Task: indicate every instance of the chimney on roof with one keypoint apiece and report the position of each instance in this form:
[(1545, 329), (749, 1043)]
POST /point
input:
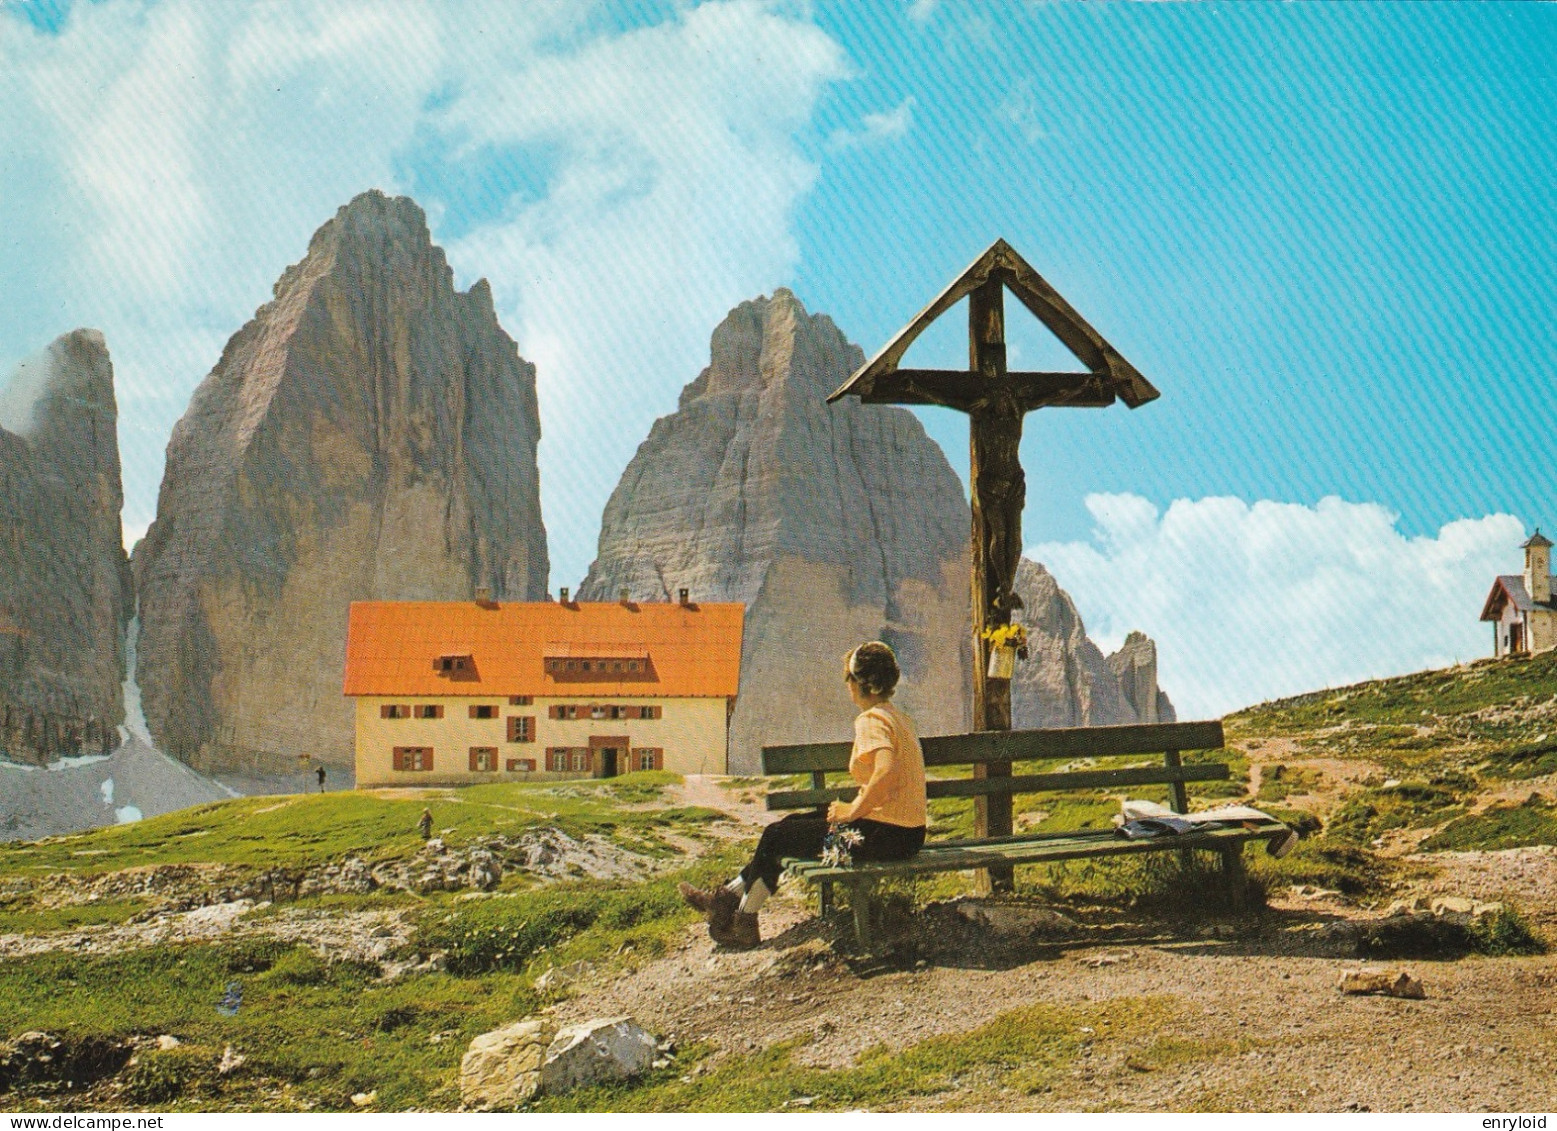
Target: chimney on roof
[(623, 596), (684, 596), (1538, 568), (564, 592), (483, 594)]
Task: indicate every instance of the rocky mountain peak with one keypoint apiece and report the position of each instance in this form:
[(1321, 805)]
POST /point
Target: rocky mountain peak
[(65, 589), (370, 434), (833, 524), (1067, 681)]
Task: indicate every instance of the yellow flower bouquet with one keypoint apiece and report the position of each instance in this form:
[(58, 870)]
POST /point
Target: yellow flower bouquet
[(1007, 644)]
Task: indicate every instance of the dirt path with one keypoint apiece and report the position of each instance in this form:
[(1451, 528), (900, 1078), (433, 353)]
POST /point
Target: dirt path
[(1253, 1020), (706, 791)]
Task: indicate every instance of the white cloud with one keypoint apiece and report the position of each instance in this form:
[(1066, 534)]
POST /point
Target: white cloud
[(1248, 603), (676, 174), (920, 11), (882, 126), (162, 162), (179, 155), (1019, 108)]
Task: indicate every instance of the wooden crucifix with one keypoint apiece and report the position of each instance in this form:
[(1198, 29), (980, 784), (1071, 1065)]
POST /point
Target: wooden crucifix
[(996, 400)]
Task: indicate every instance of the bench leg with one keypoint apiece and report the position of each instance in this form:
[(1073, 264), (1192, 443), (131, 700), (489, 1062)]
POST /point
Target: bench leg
[(862, 900), (827, 897), (1233, 875)]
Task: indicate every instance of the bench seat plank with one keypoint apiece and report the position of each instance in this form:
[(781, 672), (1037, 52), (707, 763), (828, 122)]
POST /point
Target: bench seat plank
[(1031, 783), (954, 856), (1012, 746)]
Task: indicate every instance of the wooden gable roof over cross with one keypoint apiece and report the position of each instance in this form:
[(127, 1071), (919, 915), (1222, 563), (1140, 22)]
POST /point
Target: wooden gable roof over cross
[(1108, 375)]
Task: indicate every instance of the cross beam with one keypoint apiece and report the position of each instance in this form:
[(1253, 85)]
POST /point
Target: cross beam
[(996, 400)]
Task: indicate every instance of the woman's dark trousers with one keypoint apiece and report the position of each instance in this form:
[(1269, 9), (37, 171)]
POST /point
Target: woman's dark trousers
[(801, 834)]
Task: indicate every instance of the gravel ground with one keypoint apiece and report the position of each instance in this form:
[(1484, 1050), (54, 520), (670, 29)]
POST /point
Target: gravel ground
[(1277, 1033)]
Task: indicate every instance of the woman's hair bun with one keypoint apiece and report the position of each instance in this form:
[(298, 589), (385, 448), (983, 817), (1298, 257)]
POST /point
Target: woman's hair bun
[(873, 665)]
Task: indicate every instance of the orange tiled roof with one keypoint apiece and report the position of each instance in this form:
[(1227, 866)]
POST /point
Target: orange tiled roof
[(392, 647)]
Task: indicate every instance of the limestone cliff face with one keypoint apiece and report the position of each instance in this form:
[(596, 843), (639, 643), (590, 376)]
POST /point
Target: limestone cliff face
[(1135, 667), (1067, 681), (65, 590), (834, 524), (370, 434)]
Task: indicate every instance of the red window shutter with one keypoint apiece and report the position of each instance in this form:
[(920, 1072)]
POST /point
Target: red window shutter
[(475, 759), (427, 757), (399, 758), (513, 728)]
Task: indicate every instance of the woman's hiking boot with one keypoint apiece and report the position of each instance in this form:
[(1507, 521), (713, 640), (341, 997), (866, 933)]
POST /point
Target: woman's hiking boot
[(722, 907), (696, 898), (739, 934)]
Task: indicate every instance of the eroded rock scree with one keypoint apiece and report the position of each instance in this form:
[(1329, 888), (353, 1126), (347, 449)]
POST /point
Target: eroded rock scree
[(370, 435)]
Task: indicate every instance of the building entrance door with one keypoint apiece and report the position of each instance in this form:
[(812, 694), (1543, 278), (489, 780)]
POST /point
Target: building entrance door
[(1516, 638), (610, 753)]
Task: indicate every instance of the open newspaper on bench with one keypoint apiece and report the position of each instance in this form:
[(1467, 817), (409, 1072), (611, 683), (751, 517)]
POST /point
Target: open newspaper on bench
[(1139, 820)]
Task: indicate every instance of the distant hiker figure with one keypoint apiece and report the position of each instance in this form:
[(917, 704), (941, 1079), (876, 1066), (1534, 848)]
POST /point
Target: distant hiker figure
[(424, 826), (320, 774)]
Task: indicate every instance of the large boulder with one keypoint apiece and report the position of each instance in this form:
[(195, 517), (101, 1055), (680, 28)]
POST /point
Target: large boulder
[(65, 590), (600, 1051), (370, 435), (502, 1069), (508, 1067)]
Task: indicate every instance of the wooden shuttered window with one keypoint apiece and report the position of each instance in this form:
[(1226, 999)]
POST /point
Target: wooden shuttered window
[(517, 765), (570, 759), (483, 759), (483, 711), (521, 728), (413, 759), (648, 758), (601, 711), (428, 711), (395, 711)]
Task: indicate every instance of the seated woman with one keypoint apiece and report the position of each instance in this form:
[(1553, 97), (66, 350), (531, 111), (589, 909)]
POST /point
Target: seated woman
[(888, 812)]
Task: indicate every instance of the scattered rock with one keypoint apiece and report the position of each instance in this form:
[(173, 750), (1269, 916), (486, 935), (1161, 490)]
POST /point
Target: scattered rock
[(502, 1069), (1396, 984), (597, 1051), (168, 1041), (231, 1061), (560, 977), (363, 1099), (1458, 909), (1007, 919)]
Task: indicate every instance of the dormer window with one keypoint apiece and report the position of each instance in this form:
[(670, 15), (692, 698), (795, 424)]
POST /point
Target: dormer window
[(455, 664), (601, 665)]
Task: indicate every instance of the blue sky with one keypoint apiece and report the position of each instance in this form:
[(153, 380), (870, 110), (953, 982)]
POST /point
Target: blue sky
[(1325, 232)]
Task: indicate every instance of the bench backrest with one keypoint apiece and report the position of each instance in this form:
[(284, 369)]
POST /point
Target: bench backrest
[(996, 750)]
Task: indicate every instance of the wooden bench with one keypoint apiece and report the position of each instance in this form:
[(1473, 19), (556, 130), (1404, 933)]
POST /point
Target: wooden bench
[(990, 753)]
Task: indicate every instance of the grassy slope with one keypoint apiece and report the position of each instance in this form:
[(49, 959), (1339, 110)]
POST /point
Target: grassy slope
[(316, 1033), (1441, 741)]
